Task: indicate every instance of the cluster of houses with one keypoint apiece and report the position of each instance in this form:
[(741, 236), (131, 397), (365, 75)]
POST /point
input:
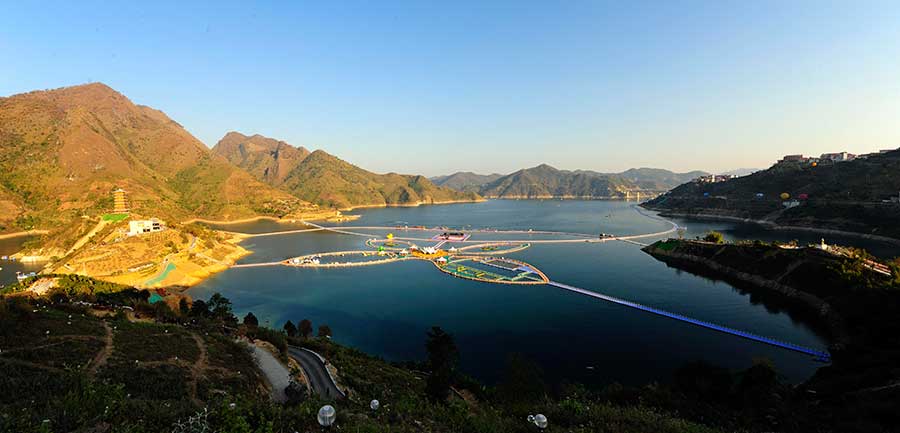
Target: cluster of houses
[(830, 158), (714, 178)]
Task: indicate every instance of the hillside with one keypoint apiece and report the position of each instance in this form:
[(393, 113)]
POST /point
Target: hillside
[(659, 179), (465, 180), (847, 196), (325, 179), (63, 151), (850, 296), (265, 158), (115, 362), (545, 181)]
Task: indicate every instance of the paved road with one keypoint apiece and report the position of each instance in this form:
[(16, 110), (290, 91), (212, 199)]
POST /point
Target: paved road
[(276, 373), (316, 372)]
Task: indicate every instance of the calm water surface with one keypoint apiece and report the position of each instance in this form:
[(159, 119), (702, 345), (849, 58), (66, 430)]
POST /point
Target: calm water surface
[(385, 310)]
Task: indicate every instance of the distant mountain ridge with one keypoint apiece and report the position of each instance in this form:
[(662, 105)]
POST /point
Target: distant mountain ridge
[(465, 180), (545, 181), (63, 151), (327, 180)]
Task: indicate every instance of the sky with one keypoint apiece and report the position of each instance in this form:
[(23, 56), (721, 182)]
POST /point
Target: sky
[(488, 86)]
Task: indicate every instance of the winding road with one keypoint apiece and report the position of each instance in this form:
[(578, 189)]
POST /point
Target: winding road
[(318, 375)]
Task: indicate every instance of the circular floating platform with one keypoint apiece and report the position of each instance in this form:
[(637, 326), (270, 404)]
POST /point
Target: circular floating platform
[(489, 269), (389, 244)]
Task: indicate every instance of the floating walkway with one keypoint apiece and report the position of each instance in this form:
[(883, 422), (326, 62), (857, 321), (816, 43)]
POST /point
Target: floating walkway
[(818, 354)]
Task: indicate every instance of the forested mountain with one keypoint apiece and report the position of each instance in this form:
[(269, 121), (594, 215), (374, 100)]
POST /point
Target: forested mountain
[(545, 181)]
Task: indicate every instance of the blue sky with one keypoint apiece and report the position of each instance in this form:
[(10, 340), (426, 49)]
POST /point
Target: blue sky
[(436, 87)]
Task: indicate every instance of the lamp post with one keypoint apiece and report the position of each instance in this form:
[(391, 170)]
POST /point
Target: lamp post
[(326, 416), (374, 405)]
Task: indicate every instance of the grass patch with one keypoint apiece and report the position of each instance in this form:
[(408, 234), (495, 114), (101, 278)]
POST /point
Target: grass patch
[(115, 217)]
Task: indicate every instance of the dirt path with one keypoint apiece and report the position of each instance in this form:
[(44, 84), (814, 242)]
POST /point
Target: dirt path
[(103, 355), (84, 239), (198, 368)]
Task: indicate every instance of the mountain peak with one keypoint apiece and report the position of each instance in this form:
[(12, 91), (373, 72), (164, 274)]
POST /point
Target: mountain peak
[(267, 159)]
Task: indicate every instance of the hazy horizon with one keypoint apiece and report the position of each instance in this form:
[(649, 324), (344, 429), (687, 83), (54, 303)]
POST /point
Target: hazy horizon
[(490, 88)]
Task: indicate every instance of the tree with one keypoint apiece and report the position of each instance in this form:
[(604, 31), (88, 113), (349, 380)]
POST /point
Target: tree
[(522, 382), (162, 312), (758, 384), (290, 329), (199, 309), (324, 331), (306, 328), (251, 320), (714, 237), (220, 307), (183, 307), (443, 358)]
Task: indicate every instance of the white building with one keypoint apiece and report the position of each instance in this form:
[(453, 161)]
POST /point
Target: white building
[(140, 227)]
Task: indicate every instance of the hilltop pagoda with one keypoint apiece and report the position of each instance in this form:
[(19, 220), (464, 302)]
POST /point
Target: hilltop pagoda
[(120, 201)]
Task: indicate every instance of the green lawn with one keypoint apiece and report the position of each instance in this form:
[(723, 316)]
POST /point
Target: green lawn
[(115, 217)]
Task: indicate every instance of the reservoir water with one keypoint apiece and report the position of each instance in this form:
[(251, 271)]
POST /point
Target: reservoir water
[(385, 310)]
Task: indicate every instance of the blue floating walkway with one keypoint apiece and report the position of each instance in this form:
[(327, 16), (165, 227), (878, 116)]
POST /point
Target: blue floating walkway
[(818, 354)]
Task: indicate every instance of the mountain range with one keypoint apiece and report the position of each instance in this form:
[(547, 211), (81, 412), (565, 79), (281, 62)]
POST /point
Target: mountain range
[(544, 181), (325, 179), (65, 150)]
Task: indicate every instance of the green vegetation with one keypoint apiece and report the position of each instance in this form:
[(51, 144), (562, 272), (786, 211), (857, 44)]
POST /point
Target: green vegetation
[(443, 359), (115, 217), (714, 237)]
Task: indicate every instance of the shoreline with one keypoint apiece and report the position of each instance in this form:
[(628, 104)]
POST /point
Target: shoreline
[(773, 226), (838, 334), (568, 197), (416, 204)]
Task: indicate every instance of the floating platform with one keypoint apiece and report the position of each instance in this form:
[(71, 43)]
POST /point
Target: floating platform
[(344, 259), (493, 248), (451, 237), (492, 270)]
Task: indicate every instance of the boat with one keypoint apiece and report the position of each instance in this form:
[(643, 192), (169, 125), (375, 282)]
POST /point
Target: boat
[(20, 276)]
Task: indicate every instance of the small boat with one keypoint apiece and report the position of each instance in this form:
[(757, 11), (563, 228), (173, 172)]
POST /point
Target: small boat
[(20, 276)]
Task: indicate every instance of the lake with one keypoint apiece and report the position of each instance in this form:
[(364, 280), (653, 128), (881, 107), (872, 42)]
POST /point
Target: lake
[(385, 310)]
